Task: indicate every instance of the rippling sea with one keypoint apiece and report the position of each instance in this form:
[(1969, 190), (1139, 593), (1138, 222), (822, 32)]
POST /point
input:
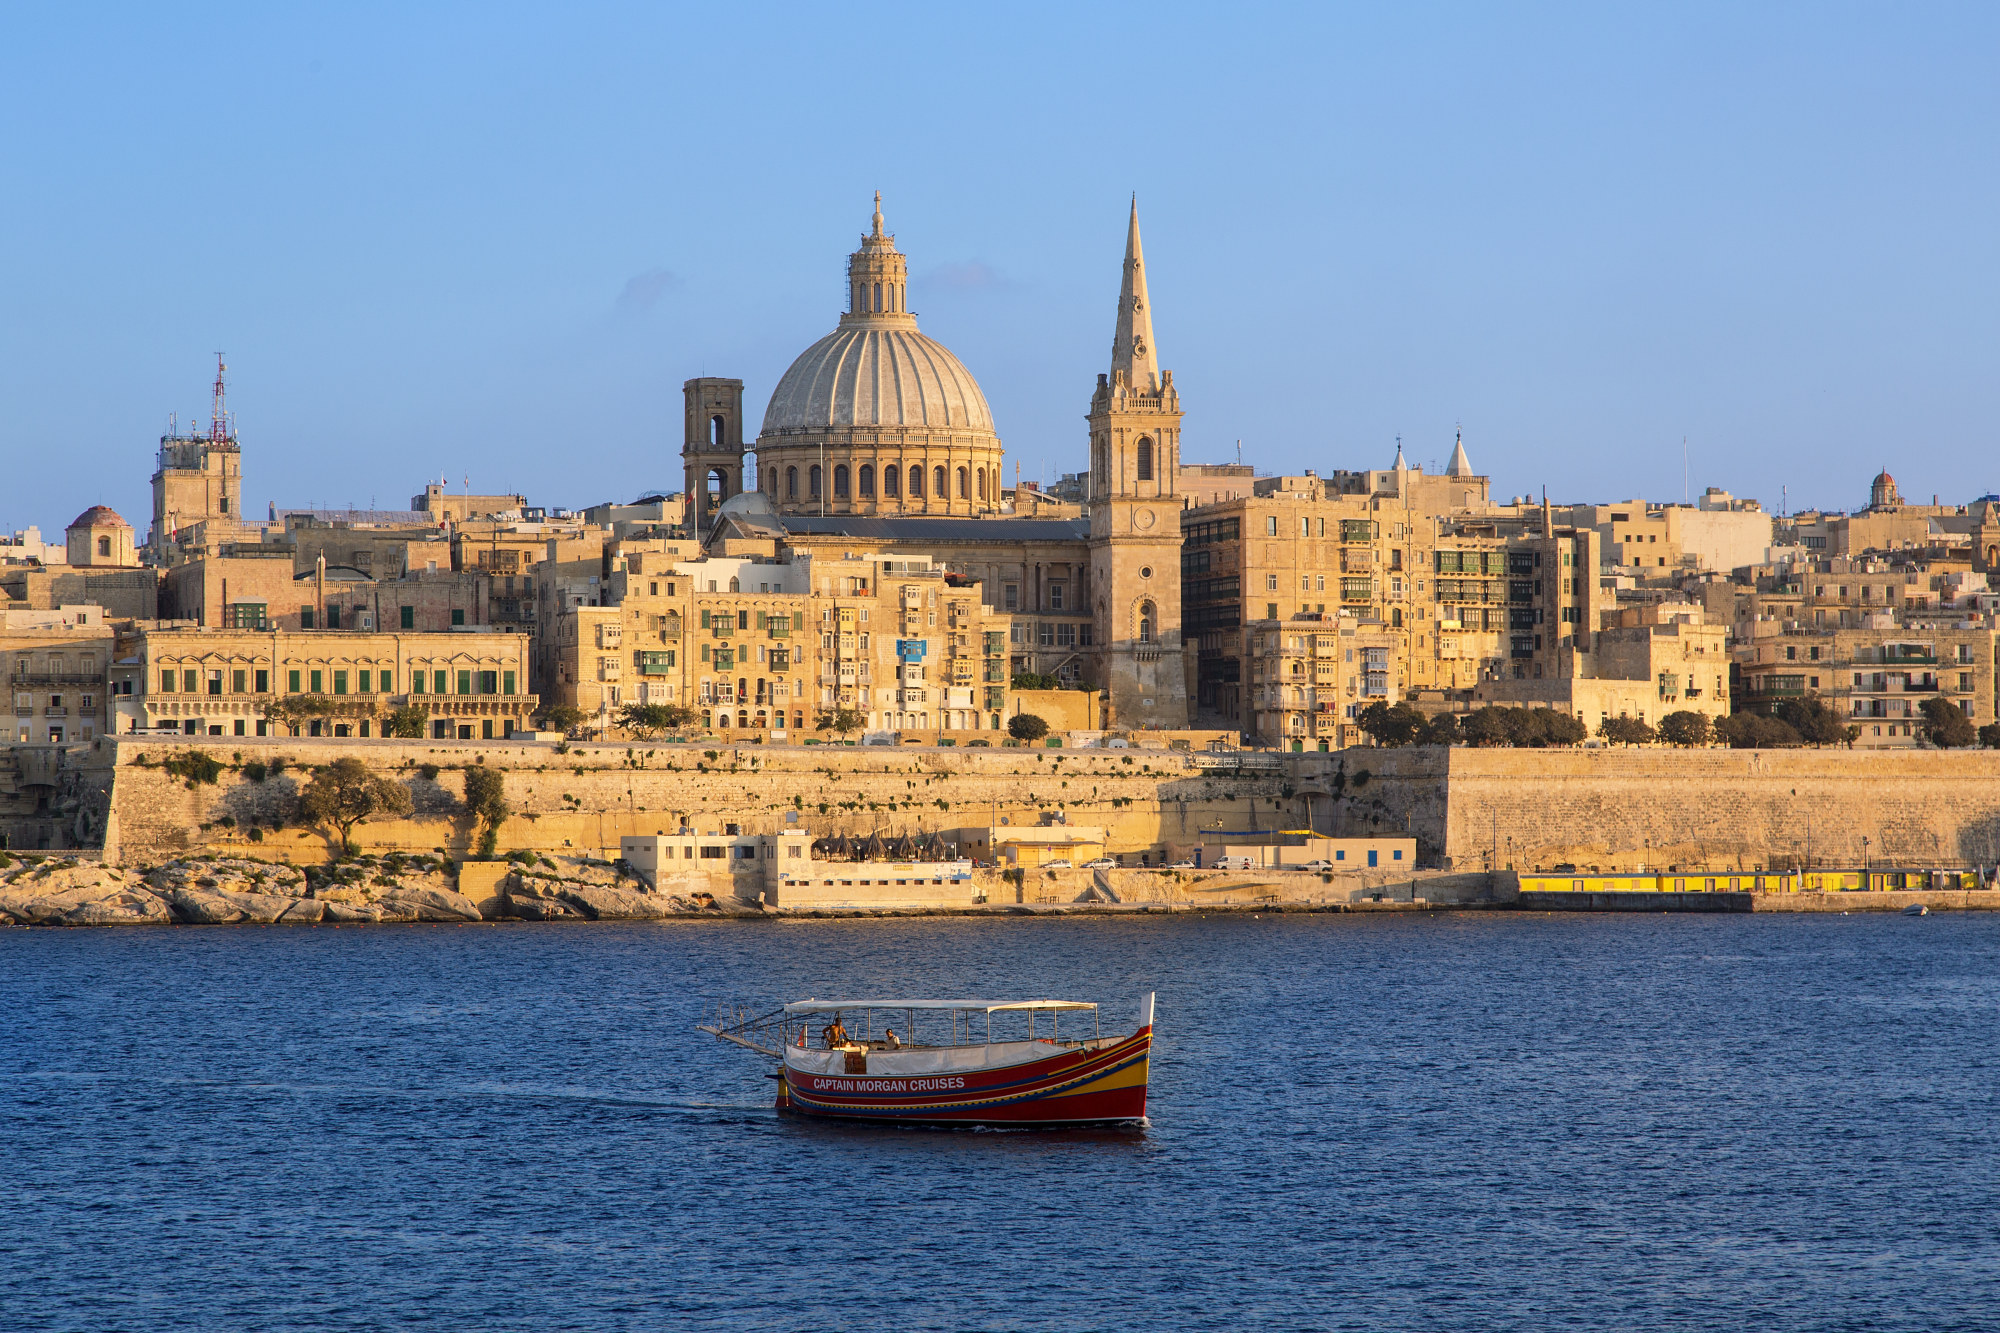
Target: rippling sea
[(1485, 1121)]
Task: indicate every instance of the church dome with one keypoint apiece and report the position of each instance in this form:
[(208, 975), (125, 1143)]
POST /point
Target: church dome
[(1882, 493), (875, 417), (867, 375), (99, 516)]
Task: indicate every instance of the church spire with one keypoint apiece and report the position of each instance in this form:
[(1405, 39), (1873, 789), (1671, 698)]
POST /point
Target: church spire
[(878, 214), (1132, 345), (1460, 465)]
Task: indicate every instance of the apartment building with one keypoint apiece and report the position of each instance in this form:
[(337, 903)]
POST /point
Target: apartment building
[(55, 665), (1877, 677), (207, 681)]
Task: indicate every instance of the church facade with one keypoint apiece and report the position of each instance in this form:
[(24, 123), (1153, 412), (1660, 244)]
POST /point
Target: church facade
[(878, 441)]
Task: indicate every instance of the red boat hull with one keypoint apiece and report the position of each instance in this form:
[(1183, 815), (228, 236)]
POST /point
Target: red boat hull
[(1069, 1088)]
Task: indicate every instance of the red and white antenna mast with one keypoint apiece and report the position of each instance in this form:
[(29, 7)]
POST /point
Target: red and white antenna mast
[(218, 417)]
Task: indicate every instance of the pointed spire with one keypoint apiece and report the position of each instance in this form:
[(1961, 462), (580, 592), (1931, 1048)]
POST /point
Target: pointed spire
[(1399, 465), (1460, 465), (1132, 345), (878, 214)]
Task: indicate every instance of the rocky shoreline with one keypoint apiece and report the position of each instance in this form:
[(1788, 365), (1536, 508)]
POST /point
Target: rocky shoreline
[(54, 891)]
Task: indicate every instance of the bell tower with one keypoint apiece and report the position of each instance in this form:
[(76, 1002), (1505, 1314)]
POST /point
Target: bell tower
[(713, 451), (1135, 516)]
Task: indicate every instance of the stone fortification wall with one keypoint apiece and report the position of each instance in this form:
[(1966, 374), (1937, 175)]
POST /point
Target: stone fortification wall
[(1625, 808), (583, 801)]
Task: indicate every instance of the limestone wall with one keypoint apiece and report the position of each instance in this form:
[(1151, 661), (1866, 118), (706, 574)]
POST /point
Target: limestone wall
[(587, 799), (1625, 808)]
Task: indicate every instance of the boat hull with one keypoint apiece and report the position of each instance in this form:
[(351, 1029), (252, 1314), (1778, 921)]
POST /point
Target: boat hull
[(1069, 1088)]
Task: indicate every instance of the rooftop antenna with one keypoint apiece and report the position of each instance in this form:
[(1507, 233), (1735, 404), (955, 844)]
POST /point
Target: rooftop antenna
[(1239, 453), (218, 428)]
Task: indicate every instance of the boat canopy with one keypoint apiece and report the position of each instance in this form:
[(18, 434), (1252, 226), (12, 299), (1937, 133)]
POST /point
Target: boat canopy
[(974, 1006)]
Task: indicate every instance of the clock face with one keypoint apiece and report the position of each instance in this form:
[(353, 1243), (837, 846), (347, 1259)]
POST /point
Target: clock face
[(1143, 519)]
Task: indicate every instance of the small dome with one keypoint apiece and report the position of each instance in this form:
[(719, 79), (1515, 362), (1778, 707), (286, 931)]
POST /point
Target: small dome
[(749, 502), (1884, 479), (865, 374), (99, 516)]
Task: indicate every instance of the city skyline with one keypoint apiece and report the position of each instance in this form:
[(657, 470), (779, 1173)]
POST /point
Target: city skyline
[(1778, 264)]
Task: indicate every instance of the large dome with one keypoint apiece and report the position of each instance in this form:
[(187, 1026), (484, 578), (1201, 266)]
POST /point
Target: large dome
[(876, 376), (875, 417)]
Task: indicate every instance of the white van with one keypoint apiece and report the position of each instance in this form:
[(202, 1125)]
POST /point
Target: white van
[(1234, 863)]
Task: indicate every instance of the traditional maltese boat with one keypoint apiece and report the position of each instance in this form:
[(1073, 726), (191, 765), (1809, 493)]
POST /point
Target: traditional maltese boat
[(1039, 1078)]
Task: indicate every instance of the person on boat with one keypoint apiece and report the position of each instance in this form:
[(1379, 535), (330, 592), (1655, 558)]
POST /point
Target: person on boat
[(836, 1033), (889, 1037)]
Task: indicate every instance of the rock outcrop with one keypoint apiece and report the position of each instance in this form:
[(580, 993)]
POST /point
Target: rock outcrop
[(238, 891)]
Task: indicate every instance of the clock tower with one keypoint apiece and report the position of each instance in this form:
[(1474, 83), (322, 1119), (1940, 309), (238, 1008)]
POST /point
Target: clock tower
[(1135, 517)]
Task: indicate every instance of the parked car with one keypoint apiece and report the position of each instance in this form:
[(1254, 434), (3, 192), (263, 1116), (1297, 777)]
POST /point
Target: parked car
[(1060, 863), (1317, 867), (1183, 865), (1101, 863)]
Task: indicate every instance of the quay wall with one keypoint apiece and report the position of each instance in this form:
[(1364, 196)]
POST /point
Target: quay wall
[(1626, 808), (585, 800)]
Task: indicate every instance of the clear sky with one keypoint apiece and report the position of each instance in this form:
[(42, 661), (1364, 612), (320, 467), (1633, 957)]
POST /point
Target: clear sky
[(492, 240)]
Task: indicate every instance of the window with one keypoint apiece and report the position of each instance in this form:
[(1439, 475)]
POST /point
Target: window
[(1270, 583), (916, 483), (167, 678), (840, 481), (1147, 619), (104, 546), (263, 682), (318, 682), (407, 617), (237, 679), (188, 685), (1011, 596), (305, 617), (865, 480), (339, 682), (465, 682), (366, 685), (458, 615), (813, 482), (964, 485), (386, 682), (507, 681), (1271, 525), (438, 679), (1145, 472), (791, 483), (333, 617), (489, 682), (1055, 596), (892, 480), (939, 487)]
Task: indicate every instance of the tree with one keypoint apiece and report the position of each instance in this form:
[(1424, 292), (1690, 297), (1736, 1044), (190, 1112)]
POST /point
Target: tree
[(1685, 728), (1626, 731), (344, 793), (293, 709), (840, 720), (486, 802), (1989, 735), (1028, 680), (1026, 727), (648, 720), (1440, 730), (1485, 726), (1754, 731), (1815, 722), (406, 723), (1946, 726), (561, 717), (1391, 724)]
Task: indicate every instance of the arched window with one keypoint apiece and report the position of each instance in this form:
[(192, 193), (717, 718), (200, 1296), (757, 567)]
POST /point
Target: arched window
[(878, 296), (717, 431), (791, 483), (916, 482), (736, 585), (865, 480), (1146, 618), (774, 483), (981, 473), (940, 486), (964, 485), (1145, 460), (814, 480), (840, 481), (104, 546), (892, 476)]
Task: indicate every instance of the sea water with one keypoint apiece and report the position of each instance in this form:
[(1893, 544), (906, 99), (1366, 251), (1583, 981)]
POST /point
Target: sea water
[(1472, 1121)]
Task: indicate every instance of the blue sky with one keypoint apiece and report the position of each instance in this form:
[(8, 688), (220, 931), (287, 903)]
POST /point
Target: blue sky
[(491, 241)]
